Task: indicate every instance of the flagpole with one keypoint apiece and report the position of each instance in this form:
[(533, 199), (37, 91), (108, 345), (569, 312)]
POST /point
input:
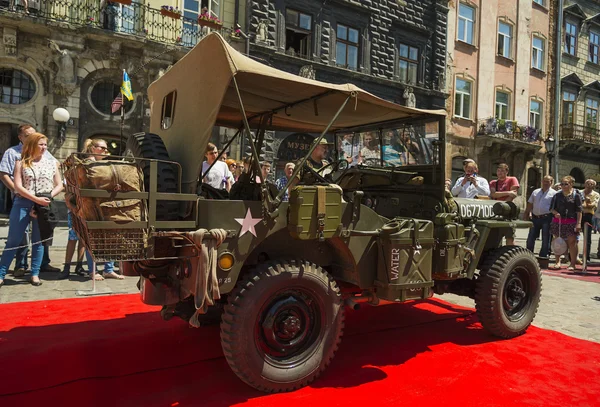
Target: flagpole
[(122, 117)]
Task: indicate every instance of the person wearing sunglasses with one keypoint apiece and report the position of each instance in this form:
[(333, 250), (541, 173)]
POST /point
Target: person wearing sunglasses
[(219, 176), (232, 166), (567, 209)]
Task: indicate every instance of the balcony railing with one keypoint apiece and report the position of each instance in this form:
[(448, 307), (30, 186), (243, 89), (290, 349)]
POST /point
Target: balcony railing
[(135, 19), (577, 132), (508, 129)]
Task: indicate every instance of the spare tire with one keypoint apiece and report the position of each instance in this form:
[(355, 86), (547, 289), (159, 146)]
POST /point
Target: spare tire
[(148, 145)]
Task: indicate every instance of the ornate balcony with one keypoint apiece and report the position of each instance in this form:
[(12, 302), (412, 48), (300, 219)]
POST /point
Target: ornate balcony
[(577, 132), (134, 19), (508, 130)]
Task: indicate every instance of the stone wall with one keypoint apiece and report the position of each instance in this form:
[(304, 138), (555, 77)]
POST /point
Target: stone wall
[(382, 24)]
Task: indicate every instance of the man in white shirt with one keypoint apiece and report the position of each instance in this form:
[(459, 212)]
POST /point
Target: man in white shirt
[(471, 185), (538, 211)]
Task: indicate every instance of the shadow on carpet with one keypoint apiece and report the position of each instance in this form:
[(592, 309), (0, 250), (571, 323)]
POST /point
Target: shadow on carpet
[(116, 351)]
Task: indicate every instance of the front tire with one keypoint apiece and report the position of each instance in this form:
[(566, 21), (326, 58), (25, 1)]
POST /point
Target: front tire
[(508, 291), (282, 325)]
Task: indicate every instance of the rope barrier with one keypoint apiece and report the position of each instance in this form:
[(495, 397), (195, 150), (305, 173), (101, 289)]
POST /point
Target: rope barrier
[(31, 244)]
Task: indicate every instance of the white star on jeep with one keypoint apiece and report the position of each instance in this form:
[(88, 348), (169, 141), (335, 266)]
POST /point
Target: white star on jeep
[(248, 223)]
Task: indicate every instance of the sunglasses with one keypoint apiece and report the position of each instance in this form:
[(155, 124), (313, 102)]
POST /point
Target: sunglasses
[(102, 148), (564, 184), (233, 165)]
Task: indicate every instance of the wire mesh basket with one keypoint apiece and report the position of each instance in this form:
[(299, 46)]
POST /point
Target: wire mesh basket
[(108, 244)]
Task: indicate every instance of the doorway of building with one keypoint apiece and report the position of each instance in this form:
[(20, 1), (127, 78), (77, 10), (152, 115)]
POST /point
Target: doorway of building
[(533, 181)]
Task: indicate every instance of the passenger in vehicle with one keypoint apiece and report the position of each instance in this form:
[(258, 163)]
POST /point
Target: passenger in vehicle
[(219, 176), (471, 184)]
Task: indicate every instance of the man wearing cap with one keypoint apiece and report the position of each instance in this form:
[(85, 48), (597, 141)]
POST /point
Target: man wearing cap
[(316, 161)]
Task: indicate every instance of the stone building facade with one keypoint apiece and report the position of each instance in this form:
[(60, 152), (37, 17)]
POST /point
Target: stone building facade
[(579, 131), (498, 77), (392, 48), (71, 55)]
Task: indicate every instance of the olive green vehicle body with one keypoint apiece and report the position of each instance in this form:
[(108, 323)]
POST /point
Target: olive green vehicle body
[(359, 251)]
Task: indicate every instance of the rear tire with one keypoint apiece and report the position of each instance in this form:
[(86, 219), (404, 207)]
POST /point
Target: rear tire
[(282, 325), (148, 145), (508, 291)]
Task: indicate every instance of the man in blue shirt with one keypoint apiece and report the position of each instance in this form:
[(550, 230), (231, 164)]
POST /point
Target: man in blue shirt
[(7, 169)]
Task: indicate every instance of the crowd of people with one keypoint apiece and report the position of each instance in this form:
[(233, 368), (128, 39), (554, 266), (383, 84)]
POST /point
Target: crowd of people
[(33, 177), (556, 210)]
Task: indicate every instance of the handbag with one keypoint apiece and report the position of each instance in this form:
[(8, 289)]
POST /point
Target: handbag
[(47, 216), (559, 246)]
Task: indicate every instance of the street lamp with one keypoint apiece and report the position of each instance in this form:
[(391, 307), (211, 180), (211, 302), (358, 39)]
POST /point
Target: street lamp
[(550, 144), (61, 116)]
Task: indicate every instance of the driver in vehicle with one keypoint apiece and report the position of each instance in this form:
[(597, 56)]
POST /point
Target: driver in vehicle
[(316, 162)]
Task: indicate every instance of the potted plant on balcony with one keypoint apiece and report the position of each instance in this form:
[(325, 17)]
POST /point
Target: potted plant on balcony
[(90, 20), (502, 126), (170, 11), (205, 19)]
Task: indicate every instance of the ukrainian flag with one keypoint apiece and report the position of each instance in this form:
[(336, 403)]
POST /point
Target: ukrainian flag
[(126, 86)]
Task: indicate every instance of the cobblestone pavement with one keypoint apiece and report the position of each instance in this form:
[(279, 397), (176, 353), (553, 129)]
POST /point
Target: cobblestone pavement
[(566, 306)]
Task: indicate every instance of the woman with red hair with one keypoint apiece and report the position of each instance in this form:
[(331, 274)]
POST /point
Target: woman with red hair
[(37, 181)]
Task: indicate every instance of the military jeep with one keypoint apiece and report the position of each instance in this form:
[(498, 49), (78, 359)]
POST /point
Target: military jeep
[(370, 228)]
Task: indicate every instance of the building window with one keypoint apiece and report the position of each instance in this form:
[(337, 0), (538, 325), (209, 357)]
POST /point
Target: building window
[(594, 47), (462, 99), (17, 86), (540, 2), (535, 114), (537, 53), (104, 93), (571, 39), (346, 52), (568, 108), (298, 33), (191, 31), (504, 40), (502, 105), (168, 110), (408, 64), (466, 24), (591, 113)]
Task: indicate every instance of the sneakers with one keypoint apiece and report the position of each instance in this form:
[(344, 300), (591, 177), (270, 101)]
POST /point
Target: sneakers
[(64, 274), (20, 272)]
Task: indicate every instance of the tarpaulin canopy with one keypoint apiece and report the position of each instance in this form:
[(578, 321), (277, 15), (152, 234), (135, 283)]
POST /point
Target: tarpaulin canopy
[(206, 97)]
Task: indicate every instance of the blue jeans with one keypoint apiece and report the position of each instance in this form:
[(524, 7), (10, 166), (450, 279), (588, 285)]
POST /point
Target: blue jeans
[(542, 224), (18, 221), (21, 255), (109, 266)]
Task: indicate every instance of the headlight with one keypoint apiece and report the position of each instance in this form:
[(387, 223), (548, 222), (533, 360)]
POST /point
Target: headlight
[(226, 261)]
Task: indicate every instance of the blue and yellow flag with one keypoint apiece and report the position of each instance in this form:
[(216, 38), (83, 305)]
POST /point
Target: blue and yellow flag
[(126, 87)]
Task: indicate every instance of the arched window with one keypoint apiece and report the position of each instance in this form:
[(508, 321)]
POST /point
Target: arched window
[(579, 176), (17, 86), (104, 93)]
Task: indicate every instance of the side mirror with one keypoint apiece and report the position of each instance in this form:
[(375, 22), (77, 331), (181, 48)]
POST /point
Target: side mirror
[(342, 164)]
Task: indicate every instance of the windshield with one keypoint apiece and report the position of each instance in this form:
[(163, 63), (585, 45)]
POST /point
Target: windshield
[(406, 145)]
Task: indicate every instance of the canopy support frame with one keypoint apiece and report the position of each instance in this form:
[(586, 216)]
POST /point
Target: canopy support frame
[(300, 165)]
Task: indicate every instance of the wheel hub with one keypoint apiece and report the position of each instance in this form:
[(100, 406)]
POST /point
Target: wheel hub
[(287, 326), (515, 295)]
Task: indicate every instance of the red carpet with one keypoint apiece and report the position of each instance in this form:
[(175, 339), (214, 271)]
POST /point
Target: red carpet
[(113, 351), (592, 275)]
